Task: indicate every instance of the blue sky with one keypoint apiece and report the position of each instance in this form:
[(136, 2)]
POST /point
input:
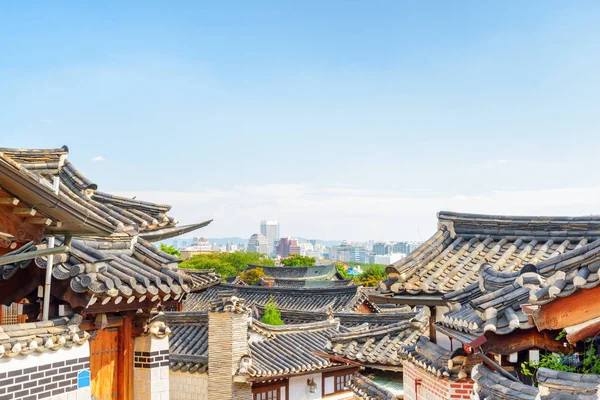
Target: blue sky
[(343, 119)]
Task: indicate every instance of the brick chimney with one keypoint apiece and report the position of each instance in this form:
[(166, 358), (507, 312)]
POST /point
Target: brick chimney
[(227, 345)]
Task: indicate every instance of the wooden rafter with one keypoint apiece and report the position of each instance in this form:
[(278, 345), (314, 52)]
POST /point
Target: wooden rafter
[(578, 308), (524, 339)]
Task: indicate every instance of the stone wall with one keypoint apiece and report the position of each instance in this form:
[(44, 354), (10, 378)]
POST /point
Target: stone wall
[(186, 386), (228, 342), (432, 388), (53, 375)]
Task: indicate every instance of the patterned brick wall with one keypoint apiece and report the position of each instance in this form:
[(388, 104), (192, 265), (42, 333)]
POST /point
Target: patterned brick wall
[(43, 381), (151, 368), (155, 359), (432, 388)]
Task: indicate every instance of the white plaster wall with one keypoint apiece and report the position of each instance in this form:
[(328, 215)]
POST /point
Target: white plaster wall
[(34, 359), (441, 339), (299, 389), (186, 386), (79, 394)]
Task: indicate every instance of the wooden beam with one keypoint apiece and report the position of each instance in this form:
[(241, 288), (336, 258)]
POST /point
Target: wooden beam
[(524, 339), (38, 221), (580, 307), (24, 212), (17, 228), (586, 330), (113, 322), (8, 201), (126, 350)]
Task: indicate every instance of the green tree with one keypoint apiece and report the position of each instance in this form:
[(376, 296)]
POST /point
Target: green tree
[(170, 250), (297, 260), (342, 271), (252, 276), (272, 316), (226, 264), (371, 276)]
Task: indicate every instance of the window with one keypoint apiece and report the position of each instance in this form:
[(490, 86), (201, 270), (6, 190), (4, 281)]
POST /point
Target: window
[(337, 381), (270, 392), (269, 395)]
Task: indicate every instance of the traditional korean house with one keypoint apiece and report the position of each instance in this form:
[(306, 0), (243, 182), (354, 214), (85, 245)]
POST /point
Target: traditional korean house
[(298, 277), (349, 299), (104, 278), (513, 315), (479, 266), (224, 353)]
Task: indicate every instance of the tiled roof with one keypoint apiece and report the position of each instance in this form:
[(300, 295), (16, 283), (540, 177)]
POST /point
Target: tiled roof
[(377, 385), (491, 385), (188, 343), (554, 384), (113, 270), (288, 349), (88, 206), (308, 283), (346, 299), (274, 350), (493, 304), (317, 272), (202, 278), (438, 361), (380, 344), (40, 337), (347, 319), (450, 260)]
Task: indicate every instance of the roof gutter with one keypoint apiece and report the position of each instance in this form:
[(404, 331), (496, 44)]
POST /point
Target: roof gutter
[(411, 300), (30, 255)]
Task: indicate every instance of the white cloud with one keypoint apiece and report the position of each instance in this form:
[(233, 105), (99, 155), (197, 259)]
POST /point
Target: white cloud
[(98, 159), (353, 213)]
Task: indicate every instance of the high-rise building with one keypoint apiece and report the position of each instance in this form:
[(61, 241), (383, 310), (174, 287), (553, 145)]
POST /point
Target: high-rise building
[(258, 244), (270, 230), (287, 246), (381, 248)]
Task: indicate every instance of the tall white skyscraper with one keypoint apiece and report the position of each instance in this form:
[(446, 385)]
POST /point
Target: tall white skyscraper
[(270, 230), (258, 244)]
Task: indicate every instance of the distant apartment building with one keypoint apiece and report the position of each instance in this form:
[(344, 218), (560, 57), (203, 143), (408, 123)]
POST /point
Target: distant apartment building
[(381, 248), (388, 259), (359, 255), (258, 244), (231, 247), (287, 247), (405, 247), (270, 230)]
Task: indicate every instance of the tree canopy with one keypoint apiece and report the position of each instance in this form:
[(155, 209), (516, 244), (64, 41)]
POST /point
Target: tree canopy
[(227, 264), (272, 316), (371, 276), (252, 276), (296, 260), (342, 271), (170, 250)]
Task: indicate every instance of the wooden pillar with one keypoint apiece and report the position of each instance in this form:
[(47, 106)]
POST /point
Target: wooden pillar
[(126, 349)]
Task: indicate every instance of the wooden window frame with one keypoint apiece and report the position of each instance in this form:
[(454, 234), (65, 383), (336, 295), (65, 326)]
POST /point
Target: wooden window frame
[(336, 374), (264, 388)]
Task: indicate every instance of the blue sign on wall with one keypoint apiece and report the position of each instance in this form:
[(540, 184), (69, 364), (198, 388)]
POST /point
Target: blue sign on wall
[(83, 379)]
